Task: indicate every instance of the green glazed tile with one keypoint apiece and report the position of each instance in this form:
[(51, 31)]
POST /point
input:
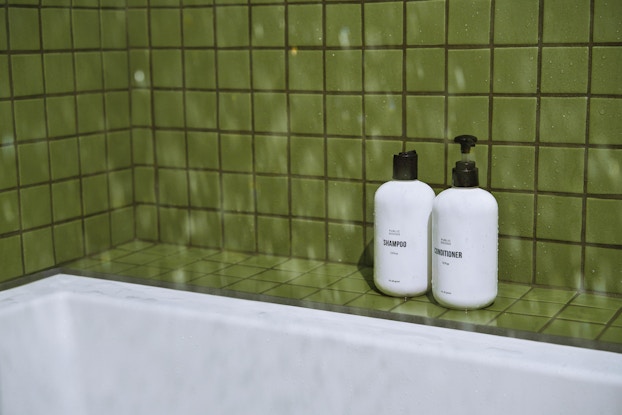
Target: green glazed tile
[(9, 216), (431, 161), (520, 322), (606, 78), (147, 222), (273, 235), (27, 72), (612, 334), (383, 24), (346, 242), (600, 176), (144, 183), (117, 106), (514, 119), (467, 115), (229, 257), (33, 163), (290, 291), (236, 152), (271, 154), (472, 317), (306, 113), (516, 212), (562, 120), (417, 308), (170, 149), (113, 26), (173, 187), (275, 275), (332, 297), (23, 28), (119, 150), (515, 260), (597, 301), (553, 225), (512, 291), (29, 119), (137, 27), (469, 22), (5, 82), (199, 69), (515, 70), (379, 158), (203, 266), (306, 72), (307, 156), (174, 226), (165, 27), (268, 26), (425, 70), (383, 70), (229, 21), (383, 115), (167, 68), (202, 150), (264, 261), (66, 200), (315, 280), (252, 286), (214, 281), (425, 116), (90, 113), (140, 67), (305, 25), (122, 224), (469, 70), (68, 241), (574, 329), (178, 276), (137, 258), (270, 112), (11, 257), (566, 21), (111, 268), (550, 295), (507, 13), (308, 239), (8, 171), (92, 153), (607, 25), (535, 308), (344, 70), (235, 111), (38, 250), (204, 189), (564, 69), (560, 169), (344, 158), (4, 45), (115, 70), (201, 109), (120, 188), (425, 23), (272, 195), (240, 271), (197, 26), (603, 221), (605, 122), (345, 200), (86, 28), (551, 271), (233, 69), (375, 302), (61, 116), (205, 229), (343, 25), (501, 304), (59, 73), (95, 194), (268, 69), (237, 192), (299, 265), (141, 272), (513, 167), (141, 108), (603, 269), (304, 205)]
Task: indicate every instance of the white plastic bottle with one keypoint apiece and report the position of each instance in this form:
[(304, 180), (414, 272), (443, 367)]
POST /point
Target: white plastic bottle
[(402, 209), (465, 238)]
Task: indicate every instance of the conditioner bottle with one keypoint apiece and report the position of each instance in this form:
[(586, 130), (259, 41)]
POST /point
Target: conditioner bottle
[(402, 210), (465, 238)]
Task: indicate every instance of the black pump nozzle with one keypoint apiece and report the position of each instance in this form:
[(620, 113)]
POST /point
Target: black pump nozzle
[(405, 165), (466, 142), (465, 172)]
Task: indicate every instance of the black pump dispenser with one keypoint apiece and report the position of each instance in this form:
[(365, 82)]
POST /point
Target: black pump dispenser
[(405, 165), (465, 172)]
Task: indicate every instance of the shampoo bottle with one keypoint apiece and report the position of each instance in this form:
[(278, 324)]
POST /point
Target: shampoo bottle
[(465, 238), (402, 209)]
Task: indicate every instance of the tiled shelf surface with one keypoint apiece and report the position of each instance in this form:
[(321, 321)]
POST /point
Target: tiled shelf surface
[(537, 313)]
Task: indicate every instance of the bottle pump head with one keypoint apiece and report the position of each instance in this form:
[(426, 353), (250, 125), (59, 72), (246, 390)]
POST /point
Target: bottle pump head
[(465, 172), (405, 165)]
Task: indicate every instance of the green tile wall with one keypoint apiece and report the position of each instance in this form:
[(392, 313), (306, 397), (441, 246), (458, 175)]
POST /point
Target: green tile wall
[(266, 126)]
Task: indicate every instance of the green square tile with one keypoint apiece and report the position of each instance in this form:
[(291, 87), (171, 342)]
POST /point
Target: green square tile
[(467, 115), (233, 69), (469, 22), (115, 69), (200, 69), (425, 116), (272, 195), (198, 26), (549, 295), (514, 119), (240, 271), (344, 70), (305, 25), (167, 69), (122, 224), (168, 109), (603, 270), (587, 314), (605, 123), (144, 183), (204, 189), (8, 171), (515, 70), (603, 221), (86, 28), (308, 239), (268, 69), (142, 146), (270, 112), (239, 232), (252, 286), (383, 24), (290, 291), (229, 257), (513, 167), (119, 150), (307, 156), (507, 13), (29, 119), (332, 297), (425, 70), (516, 212), (237, 192), (236, 152), (68, 241), (95, 194), (268, 26), (201, 109), (557, 218), (535, 308), (344, 158), (345, 200), (551, 271), (33, 163), (5, 84), (431, 162), (383, 70), (612, 334), (265, 261), (165, 27), (379, 158), (11, 257), (308, 198), (383, 115), (469, 70), (9, 216), (121, 188), (344, 115), (564, 69), (346, 242), (598, 301), (173, 187), (66, 200), (273, 235), (566, 21), (512, 291), (214, 281), (229, 21), (137, 27), (203, 266), (607, 25), (202, 150), (147, 222), (562, 120), (515, 260), (27, 72), (4, 45), (38, 250), (306, 113), (90, 113), (58, 72), (117, 110), (92, 153), (141, 108), (470, 317), (174, 226), (271, 154), (140, 67), (306, 72), (205, 229), (61, 116), (520, 322), (606, 78), (501, 304), (555, 163), (114, 29), (235, 112), (425, 23), (23, 28), (376, 302), (343, 25), (418, 308)]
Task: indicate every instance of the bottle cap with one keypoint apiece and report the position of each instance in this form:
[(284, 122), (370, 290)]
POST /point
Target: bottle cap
[(405, 165), (465, 173)]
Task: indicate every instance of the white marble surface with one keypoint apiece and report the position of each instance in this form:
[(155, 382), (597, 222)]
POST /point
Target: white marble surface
[(76, 345)]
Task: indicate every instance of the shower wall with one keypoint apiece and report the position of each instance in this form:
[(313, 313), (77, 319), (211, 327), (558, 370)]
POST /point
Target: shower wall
[(266, 126)]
